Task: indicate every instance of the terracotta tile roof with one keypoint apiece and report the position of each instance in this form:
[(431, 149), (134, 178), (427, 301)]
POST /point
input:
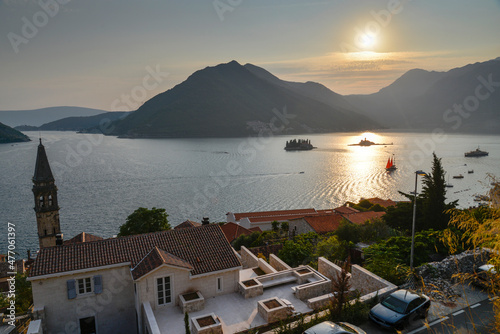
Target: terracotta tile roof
[(82, 237), (324, 223), (205, 248), (155, 258), (361, 217), (274, 215), (325, 211), (233, 231), (255, 229), (382, 202), (187, 224), (279, 219), (345, 210)]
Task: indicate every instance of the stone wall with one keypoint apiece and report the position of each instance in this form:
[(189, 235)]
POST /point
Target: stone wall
[(366, 282), (248, 259), (113, 309), (466, 263), (298, 226), (311, 290), (277, 263), (328, 269)]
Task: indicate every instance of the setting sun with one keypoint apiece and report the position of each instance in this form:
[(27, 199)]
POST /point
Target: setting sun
[(367, 41)]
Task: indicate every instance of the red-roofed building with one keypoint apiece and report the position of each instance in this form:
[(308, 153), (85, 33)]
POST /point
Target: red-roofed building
[(107, 284), (362, 217), (264, 219), (187, 224), (320, 224), (232, 231), (82, 237), (345, 210)]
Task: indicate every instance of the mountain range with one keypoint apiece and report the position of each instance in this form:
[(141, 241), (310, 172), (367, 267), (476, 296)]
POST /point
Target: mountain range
[(78, 123), (37, 117), (465, 99), (232, 100)]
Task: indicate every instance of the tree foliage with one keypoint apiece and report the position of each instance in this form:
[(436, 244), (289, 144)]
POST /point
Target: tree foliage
[(340, 290), (383, 257), (331, 248), (433, 198), (348, 232), (431, 205), (480, 228), (298, 250), (245, 240), (144, 220), (275, 226), (366, 205)]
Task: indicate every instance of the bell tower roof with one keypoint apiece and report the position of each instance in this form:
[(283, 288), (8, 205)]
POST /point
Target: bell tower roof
[(42, 167)]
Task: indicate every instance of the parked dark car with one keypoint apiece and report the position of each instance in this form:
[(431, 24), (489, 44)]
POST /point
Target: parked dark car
[(399, 309), (486, 275), (328, 327)]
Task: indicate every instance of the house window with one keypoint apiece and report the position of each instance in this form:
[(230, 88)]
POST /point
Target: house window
[(164, 290), (219, 284), (84, 285), (87, 325)]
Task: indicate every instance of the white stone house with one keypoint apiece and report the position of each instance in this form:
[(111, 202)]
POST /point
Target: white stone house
[(106, 286)]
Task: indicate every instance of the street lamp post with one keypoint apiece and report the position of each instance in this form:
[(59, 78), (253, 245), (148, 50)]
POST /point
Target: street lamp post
[(417, 173)]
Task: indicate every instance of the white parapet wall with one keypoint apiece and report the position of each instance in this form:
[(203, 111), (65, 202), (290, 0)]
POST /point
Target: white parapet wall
[(35, 327), (266, 267), (149, 319)]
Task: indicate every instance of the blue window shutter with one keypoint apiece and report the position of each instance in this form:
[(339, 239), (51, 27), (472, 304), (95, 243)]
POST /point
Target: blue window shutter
[(71, 284), (98, 284)]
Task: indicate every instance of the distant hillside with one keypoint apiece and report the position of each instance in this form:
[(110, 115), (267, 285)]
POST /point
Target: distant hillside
[(10, 135), (83, 124), (421, 99), (310, 89), (229, 100), (37, 117)]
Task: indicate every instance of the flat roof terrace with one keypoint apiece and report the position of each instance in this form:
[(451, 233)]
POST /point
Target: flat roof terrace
[(234, 311)]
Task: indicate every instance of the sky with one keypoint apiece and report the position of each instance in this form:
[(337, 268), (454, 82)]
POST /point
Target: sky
[(116, 54)]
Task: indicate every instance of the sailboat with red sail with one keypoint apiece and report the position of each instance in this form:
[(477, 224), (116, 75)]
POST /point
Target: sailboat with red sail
[(391, 165)]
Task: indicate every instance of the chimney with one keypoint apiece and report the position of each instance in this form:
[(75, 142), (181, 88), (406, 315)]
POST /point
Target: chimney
[(205, 221), (59, 239), (29, 254)]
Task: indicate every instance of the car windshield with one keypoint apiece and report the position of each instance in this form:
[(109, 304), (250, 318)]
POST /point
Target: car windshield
[(346, 328), (395, 304)]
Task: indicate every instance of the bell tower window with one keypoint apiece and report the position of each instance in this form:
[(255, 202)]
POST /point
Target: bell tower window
[(50, 200), (42, 202)]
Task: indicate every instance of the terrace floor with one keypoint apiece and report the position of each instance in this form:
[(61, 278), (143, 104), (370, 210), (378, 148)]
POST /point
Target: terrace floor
[(234, 311)]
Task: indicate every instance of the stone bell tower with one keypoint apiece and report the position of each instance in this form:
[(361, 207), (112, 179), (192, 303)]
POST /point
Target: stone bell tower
[(46, 207)]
